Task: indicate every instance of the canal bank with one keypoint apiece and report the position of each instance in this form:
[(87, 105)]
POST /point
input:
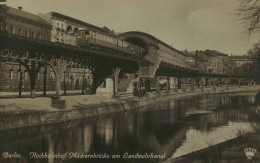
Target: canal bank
[(16, 113), (241, 149)]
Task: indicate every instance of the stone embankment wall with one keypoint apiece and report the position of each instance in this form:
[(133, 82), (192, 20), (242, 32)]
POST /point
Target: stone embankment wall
[(32, 118)]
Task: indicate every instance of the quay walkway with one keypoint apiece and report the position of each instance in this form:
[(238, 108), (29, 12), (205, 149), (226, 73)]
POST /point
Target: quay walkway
[(23, 112), (44, 103)]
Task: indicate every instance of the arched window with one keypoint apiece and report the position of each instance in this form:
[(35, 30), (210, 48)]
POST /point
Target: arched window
[(39, 36), (75, 30), (69, 29)]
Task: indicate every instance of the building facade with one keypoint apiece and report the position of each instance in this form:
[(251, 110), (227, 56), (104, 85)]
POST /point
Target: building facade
[(240, 64), (216, 61), (21, 23), (66, 29)]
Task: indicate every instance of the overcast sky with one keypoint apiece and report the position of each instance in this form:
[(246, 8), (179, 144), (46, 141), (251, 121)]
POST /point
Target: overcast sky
[(191, 24)]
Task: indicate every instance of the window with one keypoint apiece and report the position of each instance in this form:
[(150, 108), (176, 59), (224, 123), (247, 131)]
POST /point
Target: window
[(12, 30), (25, 33), (58, 24), (26, 75), (2, 25), (75, 30), (19, 31), (93, 34), (33, 35), (120, 42), (45, 37), (18, 74), (11, 74), (97, 36), (69, 28)]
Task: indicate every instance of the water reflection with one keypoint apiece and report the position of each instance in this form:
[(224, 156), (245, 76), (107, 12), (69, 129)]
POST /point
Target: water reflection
[(175, 128)]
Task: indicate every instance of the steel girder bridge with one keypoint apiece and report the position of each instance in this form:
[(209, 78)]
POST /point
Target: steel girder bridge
[(34, 54), (159, 59)]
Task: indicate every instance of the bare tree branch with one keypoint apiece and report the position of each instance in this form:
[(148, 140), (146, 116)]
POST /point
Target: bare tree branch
[(249, 13)]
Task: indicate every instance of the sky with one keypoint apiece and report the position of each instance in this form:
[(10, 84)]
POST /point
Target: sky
[(183, 24)]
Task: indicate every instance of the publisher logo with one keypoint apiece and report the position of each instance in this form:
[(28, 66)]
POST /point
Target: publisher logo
[(250, 153)]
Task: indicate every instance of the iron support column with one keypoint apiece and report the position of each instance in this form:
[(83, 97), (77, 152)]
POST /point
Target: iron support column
[(64, 84), (20, 80), (179, 83), (184, 84), (176, 84), (227, 83), (45, 80), (192, 85), (198, 82), (214, 84), (168, 83), (157, 84), (206, 80), (116, 72), (83, 82), (58, 80), (202, 84)]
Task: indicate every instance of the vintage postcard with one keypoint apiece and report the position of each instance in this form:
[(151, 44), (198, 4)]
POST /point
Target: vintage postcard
[(135, 81)]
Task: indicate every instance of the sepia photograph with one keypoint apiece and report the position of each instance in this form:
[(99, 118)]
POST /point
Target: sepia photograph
[(130, 81)]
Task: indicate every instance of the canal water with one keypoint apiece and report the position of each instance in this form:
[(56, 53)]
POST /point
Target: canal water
[(155, 134)]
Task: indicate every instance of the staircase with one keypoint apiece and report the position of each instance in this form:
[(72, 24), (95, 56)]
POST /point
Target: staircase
[(150, 64), (125, 96), (124, 83)]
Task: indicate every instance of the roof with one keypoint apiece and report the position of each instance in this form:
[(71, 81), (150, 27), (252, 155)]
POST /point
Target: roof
[(25, 15), (187, 53), (58, 15), (154, 38), (215, 53), (241, 57)]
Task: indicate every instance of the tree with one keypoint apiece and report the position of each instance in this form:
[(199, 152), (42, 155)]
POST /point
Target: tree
[(249, 13), (254, 68)]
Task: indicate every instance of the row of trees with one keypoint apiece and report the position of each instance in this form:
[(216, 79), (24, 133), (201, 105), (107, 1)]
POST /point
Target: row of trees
[(249, 14)]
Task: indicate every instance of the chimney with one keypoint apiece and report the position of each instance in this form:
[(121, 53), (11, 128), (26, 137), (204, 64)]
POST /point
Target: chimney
[(20, 7)]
